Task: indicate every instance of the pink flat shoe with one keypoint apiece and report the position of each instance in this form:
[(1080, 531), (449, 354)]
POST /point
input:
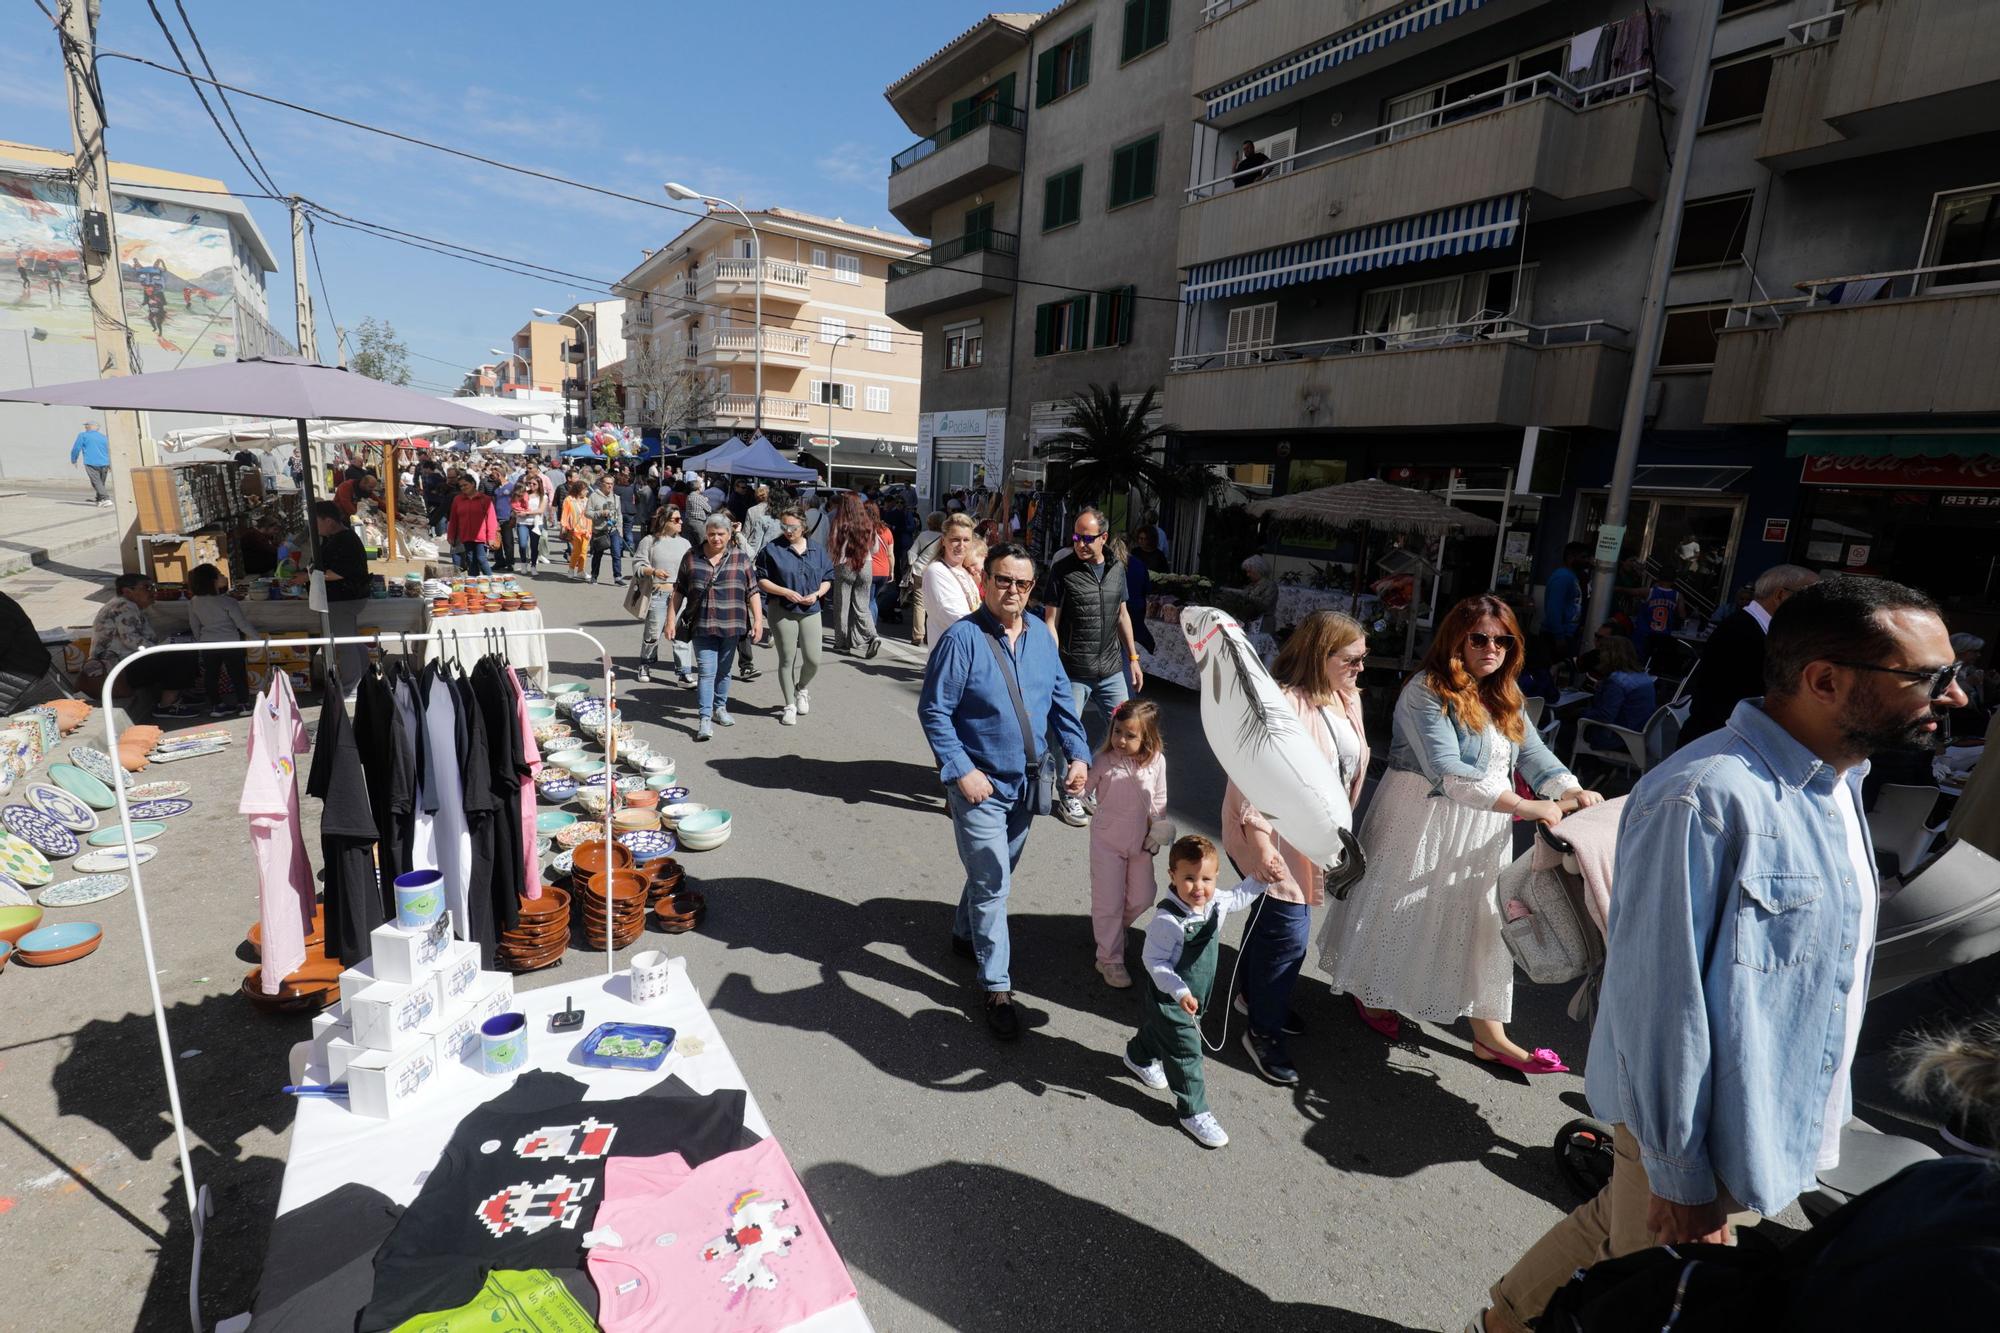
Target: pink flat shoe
[(1543, 1061), (1385, 1025)]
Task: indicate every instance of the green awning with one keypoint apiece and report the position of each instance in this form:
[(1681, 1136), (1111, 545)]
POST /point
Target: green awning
[(1914, 444)]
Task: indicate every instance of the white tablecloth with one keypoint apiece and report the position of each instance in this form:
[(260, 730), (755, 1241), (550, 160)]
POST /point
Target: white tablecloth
[(1296, 602), (469, 641), (1170, 659), (332, 1146)]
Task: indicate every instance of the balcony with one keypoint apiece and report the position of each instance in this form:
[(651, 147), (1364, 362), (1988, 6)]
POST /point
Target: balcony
[(738, 347), (1490, 373), (964, 157), (1878, 77), (969, 268), (732, 279), (740, 409), (1572, 148), (1874, 345)]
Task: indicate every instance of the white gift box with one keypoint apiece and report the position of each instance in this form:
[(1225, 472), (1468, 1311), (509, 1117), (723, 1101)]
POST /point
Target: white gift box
[(380, 1084), (457, 1034), (341, 1051), (408, 956), (328, 1025), (457, 976), (389, 1017)]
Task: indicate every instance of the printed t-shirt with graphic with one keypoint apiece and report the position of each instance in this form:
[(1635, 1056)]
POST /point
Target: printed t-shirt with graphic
[(519, 1185), (733, 1244), (277, 843), (535, 1301)]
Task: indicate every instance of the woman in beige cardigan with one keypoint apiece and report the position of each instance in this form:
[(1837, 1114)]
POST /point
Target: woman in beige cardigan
[(1319, 671)]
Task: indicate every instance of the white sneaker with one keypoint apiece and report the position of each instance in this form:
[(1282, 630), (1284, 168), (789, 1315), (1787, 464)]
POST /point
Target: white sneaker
[(644, 676), (789, 718), (1115, 975), (805, 702), (1071, 812), (722, 718), (1151, 1075), (1205, 1129)]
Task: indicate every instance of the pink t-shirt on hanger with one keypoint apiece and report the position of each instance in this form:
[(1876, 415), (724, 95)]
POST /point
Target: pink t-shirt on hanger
[(271, 800), (531, 755)]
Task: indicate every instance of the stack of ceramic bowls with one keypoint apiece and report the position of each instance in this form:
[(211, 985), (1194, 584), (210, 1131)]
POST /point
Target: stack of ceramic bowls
[(705, 830), (540, 937), (628, 908)]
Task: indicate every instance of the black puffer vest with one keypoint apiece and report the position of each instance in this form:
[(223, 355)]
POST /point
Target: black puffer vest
[(1088, 630)]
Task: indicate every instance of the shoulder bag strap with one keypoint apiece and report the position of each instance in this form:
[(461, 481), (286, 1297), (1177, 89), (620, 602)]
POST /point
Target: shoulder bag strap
[(1006, 665)]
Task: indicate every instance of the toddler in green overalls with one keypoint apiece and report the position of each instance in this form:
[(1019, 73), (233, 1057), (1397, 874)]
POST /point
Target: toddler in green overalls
[(1179, 955)]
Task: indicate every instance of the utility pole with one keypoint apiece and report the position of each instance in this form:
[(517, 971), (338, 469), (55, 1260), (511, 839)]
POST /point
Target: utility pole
[(97, 250), (1652, 314), (302, 306)]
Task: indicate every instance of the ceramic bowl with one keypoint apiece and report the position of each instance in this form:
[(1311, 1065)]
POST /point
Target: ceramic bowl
[(52, 945), (631, 821), (591, 800), (575, 835), (590, 857), (628, 784), (18, 921), (553, 905), (556, 790), (6, 952), (540, 712), (705, 830), (576, 761), (569, 687), (659, 766), (553, 821), (639, 798), (672, 815), (669, 795), (628, 889)]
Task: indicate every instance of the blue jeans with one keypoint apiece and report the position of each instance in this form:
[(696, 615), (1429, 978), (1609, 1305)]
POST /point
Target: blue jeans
[(616, 541), (1274, 946), (473, 558), (990, 837), (1105, 694), (713, 656)]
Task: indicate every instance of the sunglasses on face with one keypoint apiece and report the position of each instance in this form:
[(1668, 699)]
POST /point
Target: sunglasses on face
[(1086, 538), (1005, 584), (1938, 680), (1501, 641)]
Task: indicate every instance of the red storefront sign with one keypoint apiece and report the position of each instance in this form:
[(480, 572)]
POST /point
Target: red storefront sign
[(1952, 473)]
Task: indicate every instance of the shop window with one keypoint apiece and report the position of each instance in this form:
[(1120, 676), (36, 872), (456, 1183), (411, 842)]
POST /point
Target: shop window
[(1060, 325), (1063, 68), (1062, 199), (1133, 169), (1145, 27), (1966, 230), (1737, 87), (1689, 337), (1713, 231)]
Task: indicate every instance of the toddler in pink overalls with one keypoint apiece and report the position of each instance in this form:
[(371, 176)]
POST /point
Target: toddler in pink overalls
[(1129, 779)]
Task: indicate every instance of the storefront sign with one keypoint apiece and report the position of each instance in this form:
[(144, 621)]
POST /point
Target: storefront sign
[(1988, 500), (952, 424), (1777, 529), (1955, 472), (1610, 541)]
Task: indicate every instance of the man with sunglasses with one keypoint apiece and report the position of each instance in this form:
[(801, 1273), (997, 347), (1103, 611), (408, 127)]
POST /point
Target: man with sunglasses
[(970, 717), (1740, 937), (1086, 607)]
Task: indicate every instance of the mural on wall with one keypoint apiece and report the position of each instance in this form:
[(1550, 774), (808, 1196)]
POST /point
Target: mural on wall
[(181, 269)]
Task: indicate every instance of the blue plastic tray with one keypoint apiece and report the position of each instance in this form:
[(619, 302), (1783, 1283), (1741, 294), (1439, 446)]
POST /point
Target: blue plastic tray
[(639, 1055)]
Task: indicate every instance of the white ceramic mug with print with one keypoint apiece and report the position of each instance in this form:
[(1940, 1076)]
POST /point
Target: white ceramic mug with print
[(649, 978)]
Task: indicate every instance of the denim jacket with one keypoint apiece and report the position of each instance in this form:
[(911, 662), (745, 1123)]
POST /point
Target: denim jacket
[(1428, 740), (1732, 943)]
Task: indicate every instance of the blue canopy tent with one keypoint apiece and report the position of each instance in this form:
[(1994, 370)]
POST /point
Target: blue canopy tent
[(762, 459), (580, 451), (704, 462)]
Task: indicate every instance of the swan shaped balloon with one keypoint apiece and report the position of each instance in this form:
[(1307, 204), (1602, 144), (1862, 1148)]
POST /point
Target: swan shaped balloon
[(1261, 743)]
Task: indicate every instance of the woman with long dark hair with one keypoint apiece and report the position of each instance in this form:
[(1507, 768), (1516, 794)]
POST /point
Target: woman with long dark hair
[(1420, 934), (852, 547)]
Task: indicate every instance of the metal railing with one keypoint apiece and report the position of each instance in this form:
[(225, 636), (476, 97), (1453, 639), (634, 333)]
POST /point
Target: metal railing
[(985, 241), (783, 341), (1215, 9), (986, 113), (1493, 99), (775, 409), (734, 269), (1860, 289), (1820, 28), (1482, 328)]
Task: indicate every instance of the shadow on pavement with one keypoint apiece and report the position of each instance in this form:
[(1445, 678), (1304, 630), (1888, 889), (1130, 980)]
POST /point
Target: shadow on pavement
[(1045, 1258), (900, 786)]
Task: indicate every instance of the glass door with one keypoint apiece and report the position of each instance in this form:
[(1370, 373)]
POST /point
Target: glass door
[(1695, 537)]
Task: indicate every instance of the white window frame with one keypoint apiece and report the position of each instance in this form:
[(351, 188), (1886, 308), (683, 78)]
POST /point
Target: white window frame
[(878, 398), (846, 268), (969, 334), (1242, 339), (879, 339), (818, 257), (1409, 103), (1278, 147), (1934, 240), (1768, 51), (1469, 304), (832, 328), (743, 248), (843, 394)]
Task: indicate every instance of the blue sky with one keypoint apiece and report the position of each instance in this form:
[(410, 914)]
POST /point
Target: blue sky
[(626, 95)]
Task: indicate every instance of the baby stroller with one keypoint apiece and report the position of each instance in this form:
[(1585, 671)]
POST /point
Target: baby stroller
[(1944, 918)]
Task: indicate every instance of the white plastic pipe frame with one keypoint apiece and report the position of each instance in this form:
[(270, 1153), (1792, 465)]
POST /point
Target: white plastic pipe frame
[(199, 1204)]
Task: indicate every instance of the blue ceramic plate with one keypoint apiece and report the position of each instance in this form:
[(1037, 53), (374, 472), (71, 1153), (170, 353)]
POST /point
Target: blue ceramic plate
[(115, 835), (164, 808), (62, 807), (555, 793), (552, 821), (648, 844), (94, 762), (153, 791), (83, 890), (110, 859), (68, 935), (672, 795), (36, 829), (83, 786)]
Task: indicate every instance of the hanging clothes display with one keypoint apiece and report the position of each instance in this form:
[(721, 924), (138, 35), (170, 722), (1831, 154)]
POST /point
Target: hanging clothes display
[(418, 837), (277, 843), (476, 781), (386, 758), (441, 803), (355, 902), (497, 714), (531, 763)]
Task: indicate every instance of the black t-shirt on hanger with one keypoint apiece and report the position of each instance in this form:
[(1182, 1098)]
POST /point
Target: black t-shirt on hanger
[(385, 759), (354, 896), (476, 788)]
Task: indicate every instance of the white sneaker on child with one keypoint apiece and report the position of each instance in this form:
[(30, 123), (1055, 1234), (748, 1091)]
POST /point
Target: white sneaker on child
[(1115, 975), (1206, 1130), (1151, 1075)]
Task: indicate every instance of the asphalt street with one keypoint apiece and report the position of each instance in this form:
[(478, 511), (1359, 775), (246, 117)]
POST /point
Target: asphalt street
[(969, 1184)]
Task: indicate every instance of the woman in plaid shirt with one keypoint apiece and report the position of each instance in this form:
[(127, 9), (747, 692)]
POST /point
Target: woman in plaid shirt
[(717, 588)]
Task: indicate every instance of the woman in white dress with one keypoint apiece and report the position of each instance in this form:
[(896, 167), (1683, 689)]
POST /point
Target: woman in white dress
[(951, 583), (1420, 934)]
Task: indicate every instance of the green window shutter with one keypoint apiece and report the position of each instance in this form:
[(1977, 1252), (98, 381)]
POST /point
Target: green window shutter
[(1080, 62), (1134, 40), (1073, 196), (1128, 298), (961, 116), (1145, 167), (1121, 176), (1042, 316), (1045, 77), (1003, 93), (1100, 333), (1157, 15), (1052, 193), (1079, 320)]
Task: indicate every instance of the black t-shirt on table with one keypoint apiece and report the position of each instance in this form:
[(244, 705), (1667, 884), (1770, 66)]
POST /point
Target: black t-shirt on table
[(343, 554)]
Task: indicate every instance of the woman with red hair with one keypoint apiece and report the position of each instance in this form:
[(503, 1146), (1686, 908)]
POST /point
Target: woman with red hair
[(1420, 934), (852, 547)]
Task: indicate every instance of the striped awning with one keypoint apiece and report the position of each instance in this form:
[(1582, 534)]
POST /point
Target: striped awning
[(1322, 56), (1487, 225)]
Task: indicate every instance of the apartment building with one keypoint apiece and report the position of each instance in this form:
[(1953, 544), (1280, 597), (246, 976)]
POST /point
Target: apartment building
[(539, 360), (840, 373), (1449, 243), (1044, 177), (602, 342)]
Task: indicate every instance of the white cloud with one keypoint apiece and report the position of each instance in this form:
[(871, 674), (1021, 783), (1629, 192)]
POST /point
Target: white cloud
[(852, 163)]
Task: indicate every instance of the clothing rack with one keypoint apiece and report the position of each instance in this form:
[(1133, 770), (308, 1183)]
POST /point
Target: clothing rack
[(199, 1205)]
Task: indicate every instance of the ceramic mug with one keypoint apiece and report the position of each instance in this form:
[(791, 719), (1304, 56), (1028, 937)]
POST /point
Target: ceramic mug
[(649, 978), (419, 898), (503, 1043)]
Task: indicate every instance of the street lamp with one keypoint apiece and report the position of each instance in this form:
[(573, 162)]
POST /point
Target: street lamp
[(831, 394), (589, 358), (676, 190), (512, 356)]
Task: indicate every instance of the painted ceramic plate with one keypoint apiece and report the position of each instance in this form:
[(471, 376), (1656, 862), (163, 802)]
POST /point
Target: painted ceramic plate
[(83, 890), (563, 864), (192, 743), (646, 844), (83, 786), (94, 762), (154, 791), (111, 859), (169, 756), (557, 744), (13, 895), (164, 808), (115, 835), (45, 835), (22, 863), (62, 807), (205, 735), (570, 835)]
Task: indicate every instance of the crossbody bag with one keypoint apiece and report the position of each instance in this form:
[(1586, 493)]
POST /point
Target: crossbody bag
[(1041, 773), (1341, 878)]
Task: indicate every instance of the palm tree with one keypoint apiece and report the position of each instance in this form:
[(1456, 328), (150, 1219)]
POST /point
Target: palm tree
[(1110, 450)]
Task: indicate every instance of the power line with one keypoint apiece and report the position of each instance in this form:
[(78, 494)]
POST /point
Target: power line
[(269, 182), (202, 97), (325, 293)]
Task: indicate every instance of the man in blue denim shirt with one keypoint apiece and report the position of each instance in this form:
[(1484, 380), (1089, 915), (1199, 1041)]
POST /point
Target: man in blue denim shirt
[(1740, 934), (969, 718)]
